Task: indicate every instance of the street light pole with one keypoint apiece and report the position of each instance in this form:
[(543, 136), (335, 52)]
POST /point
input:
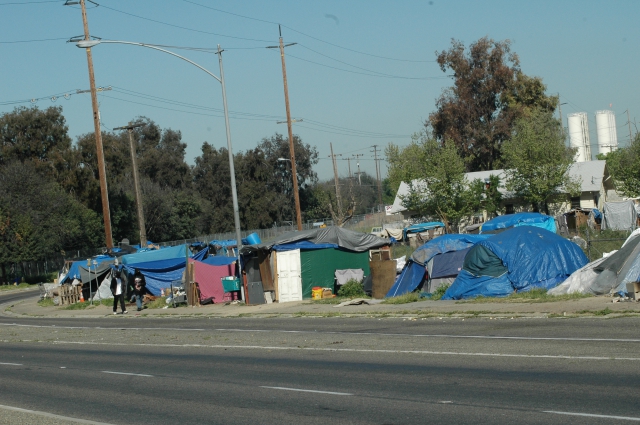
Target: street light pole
[(86, 44)]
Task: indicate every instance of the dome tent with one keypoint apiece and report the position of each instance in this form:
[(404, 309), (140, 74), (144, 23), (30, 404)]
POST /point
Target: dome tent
[(516, 260)]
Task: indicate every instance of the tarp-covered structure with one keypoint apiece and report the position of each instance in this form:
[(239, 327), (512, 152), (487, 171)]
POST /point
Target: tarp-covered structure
[(322, 252), (502, 222), (333, 236), (516, 260), (619, 215), (434, 263), (608, 275)]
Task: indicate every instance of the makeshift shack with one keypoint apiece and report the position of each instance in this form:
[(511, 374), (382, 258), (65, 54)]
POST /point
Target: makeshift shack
[(306, 259), (516, 260)]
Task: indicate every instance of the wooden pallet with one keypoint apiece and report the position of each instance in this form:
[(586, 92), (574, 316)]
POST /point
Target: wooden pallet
[(69, 294)]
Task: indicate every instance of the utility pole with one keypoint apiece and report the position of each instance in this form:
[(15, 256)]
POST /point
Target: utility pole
[(629, 122), (349, 165), (357, 157), (102, 173), (375, 153), (292, 153), (335, 176), (136, 182)]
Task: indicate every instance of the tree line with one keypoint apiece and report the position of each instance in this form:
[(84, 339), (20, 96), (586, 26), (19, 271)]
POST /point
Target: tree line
[(50, 191)]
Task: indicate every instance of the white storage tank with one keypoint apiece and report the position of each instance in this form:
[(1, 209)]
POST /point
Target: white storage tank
[(579, 135), (606, 130)]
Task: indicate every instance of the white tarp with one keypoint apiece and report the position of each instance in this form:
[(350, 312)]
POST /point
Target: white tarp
[(619, 215), (580, 281), (104, 291)]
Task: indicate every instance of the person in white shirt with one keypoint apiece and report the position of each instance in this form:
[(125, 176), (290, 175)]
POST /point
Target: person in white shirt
[(118, 289)]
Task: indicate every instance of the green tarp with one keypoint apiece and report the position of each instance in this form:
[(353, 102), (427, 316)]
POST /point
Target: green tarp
[(319, 266)]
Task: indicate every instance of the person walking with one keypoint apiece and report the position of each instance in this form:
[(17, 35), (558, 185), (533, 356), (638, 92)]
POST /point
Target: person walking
[(139, 286), (118, 289)]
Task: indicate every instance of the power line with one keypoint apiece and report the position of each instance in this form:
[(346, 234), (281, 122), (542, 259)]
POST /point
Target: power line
[(184, 28), (33, 41), (28, 2)]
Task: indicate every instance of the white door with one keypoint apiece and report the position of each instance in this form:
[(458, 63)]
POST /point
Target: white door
[(289, 276)]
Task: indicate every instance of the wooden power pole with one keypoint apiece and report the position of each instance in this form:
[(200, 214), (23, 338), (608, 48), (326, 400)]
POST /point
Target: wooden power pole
[(296, 195), (136, 182), (102, 173), (375, 153)]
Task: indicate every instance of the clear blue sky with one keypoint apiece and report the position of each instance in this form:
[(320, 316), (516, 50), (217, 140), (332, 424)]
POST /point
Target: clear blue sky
[(363, 73)]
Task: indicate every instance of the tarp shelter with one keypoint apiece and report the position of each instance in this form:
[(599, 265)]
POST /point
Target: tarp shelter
[(421, 227), (516, 260), (619, 215), (606, 275), (209, 280), (159, 274), (333, 235), (502, 222), (180, 251), (414, 272)]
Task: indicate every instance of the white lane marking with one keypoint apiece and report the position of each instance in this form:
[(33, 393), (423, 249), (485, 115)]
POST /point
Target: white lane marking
[(125, 373), (622, 418), (520, 338), (11, 364), (305, 391), (51, 415), (354, 350)]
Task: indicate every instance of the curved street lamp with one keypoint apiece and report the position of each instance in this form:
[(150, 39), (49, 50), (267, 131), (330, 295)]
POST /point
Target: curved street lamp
[(88, 44)]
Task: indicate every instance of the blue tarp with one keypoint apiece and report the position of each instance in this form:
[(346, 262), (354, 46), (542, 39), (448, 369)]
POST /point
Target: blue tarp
[(421, 227), (219, 261), (408, 282), (411, 276), (521, 219), (74, 269), (533, 257), (159, 274), (179, 251), (445, 243), (303, 245)]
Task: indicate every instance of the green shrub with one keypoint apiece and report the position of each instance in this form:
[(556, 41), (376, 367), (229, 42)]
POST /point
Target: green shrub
[(352, 289), (439, 292)]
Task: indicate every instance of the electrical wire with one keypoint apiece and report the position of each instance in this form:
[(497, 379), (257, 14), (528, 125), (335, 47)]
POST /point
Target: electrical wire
[(306, 35), (10, 3), (33, 41), (184, 28)]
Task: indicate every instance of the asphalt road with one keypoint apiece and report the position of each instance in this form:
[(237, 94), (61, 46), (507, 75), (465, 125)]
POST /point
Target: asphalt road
[(319, 370)]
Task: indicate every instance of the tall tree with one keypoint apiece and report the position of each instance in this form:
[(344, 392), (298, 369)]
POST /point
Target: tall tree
[(624, 166), (489, 93), (537, 160)]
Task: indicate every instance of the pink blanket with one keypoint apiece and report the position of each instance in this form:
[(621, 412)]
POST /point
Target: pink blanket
[(209, 279)]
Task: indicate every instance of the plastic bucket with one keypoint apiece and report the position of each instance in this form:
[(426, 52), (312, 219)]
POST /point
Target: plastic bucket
[(253, 239), (316, 293)]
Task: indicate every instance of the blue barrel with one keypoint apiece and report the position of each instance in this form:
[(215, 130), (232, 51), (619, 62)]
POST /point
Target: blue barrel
[(253, 239)]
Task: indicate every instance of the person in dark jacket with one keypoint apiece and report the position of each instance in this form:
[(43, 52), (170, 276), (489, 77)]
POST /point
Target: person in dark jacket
[(119, 290), (139, 286)]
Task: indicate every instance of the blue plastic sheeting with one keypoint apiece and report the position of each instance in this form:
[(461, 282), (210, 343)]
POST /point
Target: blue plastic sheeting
[(159, 274), (199, 256), (303, 245), (225, 243), (421, 227), (596, 213), (219, 261), (533, 257), (445, 243), (521, 219), (467, 285), (179, 251), (410, 278), (422, 255), (74, 270)]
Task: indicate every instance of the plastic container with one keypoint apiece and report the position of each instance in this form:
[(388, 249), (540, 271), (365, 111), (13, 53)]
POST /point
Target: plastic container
[(253, 239), (316, 293), (230, 283)]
